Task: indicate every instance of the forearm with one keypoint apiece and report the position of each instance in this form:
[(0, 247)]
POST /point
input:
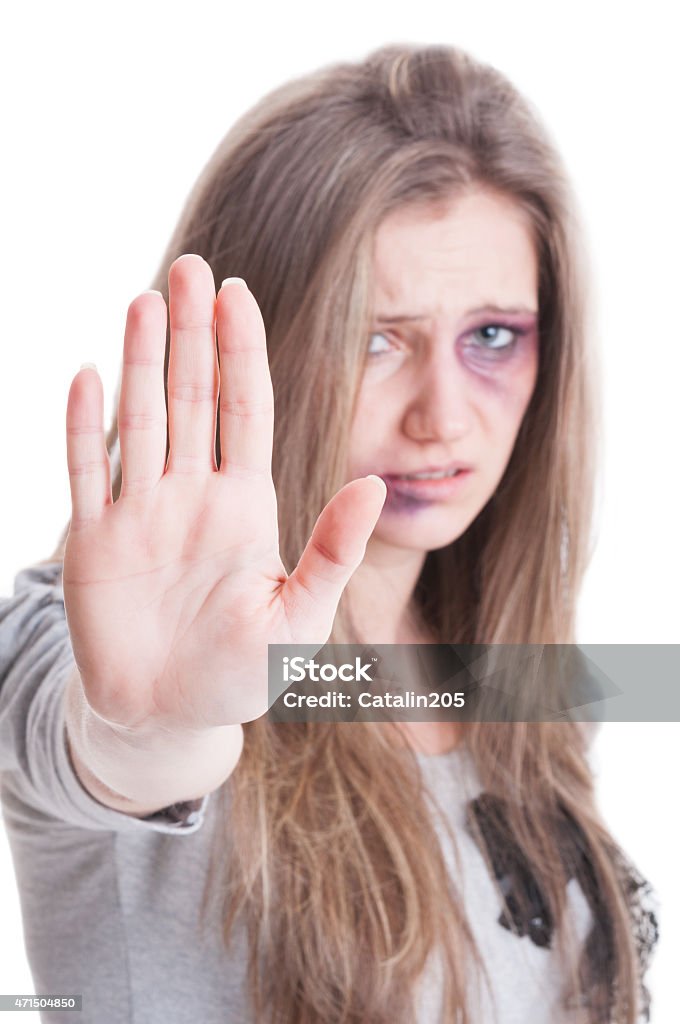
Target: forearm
[(141, 772)]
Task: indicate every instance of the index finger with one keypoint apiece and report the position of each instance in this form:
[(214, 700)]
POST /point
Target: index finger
[(246, 402)]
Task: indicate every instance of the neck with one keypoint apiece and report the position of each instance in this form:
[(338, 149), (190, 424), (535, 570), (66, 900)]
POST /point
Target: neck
[(380, 595), (381, 600)]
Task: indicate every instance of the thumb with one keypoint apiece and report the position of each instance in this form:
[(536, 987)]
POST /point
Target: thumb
[(333, 553)]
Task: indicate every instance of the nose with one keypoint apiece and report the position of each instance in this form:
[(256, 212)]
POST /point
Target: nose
[(438, 409)]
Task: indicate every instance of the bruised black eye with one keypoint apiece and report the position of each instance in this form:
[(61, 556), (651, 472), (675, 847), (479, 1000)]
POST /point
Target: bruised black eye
[(495, 336)]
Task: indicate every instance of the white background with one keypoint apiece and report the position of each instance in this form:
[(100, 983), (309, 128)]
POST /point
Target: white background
[(110, 114)]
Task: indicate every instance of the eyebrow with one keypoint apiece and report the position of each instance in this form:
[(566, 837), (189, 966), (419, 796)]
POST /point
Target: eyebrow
[(402, 318)]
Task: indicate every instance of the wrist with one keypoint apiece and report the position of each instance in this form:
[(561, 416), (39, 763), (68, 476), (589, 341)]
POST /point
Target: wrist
[(151, 766)]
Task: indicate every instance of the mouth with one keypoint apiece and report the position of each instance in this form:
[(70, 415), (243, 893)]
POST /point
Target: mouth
[(428, 485)]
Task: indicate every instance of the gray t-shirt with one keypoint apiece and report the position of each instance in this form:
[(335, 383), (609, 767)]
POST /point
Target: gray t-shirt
[(110, 903)]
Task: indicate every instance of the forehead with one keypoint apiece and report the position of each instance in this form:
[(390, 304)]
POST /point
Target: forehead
[(475, 250)]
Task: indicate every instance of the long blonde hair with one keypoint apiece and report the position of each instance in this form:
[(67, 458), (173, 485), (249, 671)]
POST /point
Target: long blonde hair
[(335, 867)]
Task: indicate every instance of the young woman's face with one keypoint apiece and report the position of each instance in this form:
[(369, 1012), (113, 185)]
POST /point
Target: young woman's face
[(451, 363)]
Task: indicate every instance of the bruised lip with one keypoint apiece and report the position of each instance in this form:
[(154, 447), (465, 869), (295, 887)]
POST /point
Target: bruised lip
[(427, 490)]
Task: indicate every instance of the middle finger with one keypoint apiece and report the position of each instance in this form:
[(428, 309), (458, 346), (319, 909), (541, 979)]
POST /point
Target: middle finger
[(193, 373)]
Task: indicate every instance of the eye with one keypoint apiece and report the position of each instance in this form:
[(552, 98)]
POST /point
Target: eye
[(371, 350), (495, 336)]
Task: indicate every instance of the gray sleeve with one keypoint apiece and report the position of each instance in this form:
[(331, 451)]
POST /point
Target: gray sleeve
[(36, 659)]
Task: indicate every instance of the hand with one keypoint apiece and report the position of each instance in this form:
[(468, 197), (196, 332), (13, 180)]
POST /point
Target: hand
[(173, 592)]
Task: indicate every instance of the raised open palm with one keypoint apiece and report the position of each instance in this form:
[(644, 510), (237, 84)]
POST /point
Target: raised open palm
[(173, 592)]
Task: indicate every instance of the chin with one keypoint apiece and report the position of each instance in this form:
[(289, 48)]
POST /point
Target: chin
[(416, 533)]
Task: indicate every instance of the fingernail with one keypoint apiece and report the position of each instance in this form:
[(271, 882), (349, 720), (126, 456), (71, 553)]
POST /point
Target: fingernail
[(234, 280), (378, 480), (88, 366)]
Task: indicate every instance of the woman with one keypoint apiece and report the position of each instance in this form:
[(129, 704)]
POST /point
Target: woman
[(416, 303)]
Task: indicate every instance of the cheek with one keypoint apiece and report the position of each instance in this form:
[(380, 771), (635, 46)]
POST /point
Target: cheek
[(502, 397), (366, 432)]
